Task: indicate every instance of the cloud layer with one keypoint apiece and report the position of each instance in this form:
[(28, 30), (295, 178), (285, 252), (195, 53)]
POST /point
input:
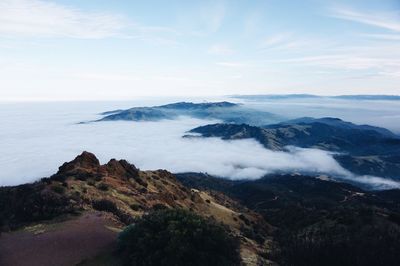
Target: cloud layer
[(35, 143)]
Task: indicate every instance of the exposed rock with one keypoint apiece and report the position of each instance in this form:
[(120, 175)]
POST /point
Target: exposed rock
[(120, 189), (81, 167), (85, 160), (122, 169)]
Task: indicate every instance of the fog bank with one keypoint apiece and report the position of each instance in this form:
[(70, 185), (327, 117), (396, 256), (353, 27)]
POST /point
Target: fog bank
[(35, 141)]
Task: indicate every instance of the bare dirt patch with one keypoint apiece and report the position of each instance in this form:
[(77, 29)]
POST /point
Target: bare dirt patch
[(65, 243)]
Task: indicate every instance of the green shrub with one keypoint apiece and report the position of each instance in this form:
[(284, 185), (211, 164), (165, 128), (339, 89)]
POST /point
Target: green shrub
[(244, 219), (135, 206), (105, 205), (179, 238), (109, 206), (103, 186), (58, 188), (159, 206)]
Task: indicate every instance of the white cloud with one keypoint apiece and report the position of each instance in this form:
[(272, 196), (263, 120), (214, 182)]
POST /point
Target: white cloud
[(35, 18), (30, 153), (387, 37), (374, 58), (389, 21), (275, 40), (288, 42), (220, 49), (157, 29), (115, 77), (213, 16), (233, 64), (206, 17), (345, 61)]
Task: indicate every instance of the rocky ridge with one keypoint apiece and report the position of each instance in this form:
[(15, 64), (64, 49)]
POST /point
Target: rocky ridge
[(125, 192)]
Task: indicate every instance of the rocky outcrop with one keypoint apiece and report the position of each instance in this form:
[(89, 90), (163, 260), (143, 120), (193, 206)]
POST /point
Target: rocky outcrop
[(124, 192), (121, 168), (82, 167), (87, 166)]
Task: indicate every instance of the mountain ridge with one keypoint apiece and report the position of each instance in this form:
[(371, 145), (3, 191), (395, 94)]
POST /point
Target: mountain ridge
[(372, 97), (118, 192), (318, 222), (364, 150), (224, 111)]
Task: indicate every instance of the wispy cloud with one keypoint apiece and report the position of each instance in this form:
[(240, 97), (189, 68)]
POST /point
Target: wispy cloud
[(275, 40), (214, 16), (234, 64), (43, 19), (35, 18), (106, 76), (220, 49), (386, 37), (206, 18), (389, 21), (290, 42), (156, 29), (345, 62)]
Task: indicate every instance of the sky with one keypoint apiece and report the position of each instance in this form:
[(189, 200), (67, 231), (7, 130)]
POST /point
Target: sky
[(119, 50)]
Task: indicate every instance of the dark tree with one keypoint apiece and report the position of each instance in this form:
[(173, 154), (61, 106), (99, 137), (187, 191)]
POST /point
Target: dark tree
[(177, 237)]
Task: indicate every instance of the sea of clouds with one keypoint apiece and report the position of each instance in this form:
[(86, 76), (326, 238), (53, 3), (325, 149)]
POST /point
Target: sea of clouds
[(37, 138)]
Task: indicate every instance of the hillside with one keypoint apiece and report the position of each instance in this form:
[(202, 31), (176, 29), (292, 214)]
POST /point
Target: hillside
[(224, 111), (318, 221), (362, 149), (84, 193)]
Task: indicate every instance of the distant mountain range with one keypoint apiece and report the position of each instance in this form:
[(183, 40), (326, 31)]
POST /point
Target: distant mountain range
[(258, 97), (224, 111), (362, 149)]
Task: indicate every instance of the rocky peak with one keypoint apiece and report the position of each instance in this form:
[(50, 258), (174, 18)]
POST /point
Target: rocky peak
[(84, 160), (122, 192), (121, 168), (83, 164)]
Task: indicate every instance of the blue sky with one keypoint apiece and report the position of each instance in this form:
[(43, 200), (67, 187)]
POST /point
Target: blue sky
[(97, 50)]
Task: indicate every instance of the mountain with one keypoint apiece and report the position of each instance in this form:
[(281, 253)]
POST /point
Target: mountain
[(261, 97), (362, 149), (224, 111), (369, 97), (318, 221), (336, 122), (87, 204), (74, 216)]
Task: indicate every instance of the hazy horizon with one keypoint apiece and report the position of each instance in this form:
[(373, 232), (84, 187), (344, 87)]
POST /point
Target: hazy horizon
[(196, 98)]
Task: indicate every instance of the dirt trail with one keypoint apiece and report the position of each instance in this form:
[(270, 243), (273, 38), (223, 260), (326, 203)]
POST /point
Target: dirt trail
[(65, 243)]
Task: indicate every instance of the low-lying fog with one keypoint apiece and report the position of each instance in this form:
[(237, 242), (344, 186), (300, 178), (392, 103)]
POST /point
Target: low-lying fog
[(36, 138)]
